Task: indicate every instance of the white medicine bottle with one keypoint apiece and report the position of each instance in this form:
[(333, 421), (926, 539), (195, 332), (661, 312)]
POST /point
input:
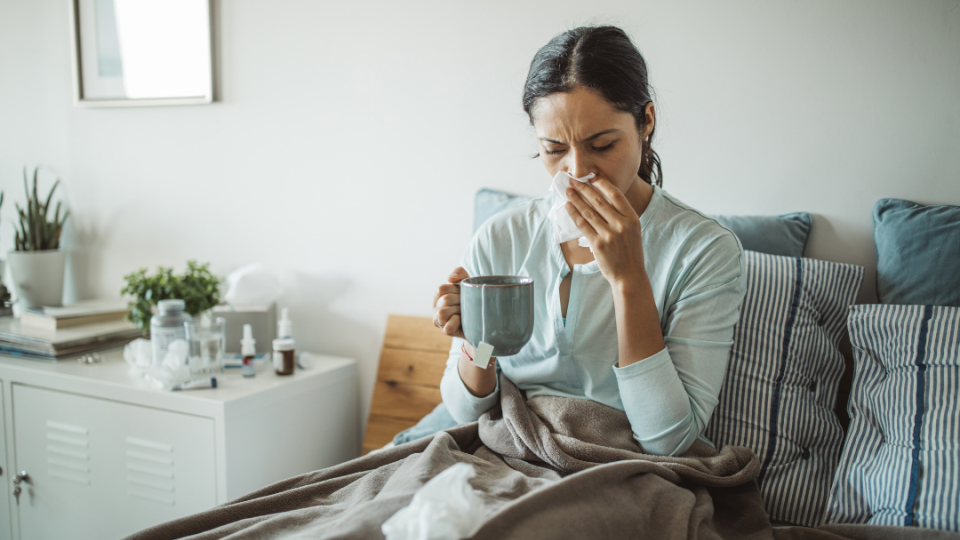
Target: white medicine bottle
[(167, 327)]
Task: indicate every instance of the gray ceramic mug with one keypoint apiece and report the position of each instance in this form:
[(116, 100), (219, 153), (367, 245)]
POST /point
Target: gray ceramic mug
[(497, 310)]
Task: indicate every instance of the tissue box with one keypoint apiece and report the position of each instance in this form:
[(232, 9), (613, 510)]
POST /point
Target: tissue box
[(263, 320)]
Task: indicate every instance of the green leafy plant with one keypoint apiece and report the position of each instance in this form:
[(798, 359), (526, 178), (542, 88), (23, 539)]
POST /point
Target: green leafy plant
[(36, 231), (197, 287)]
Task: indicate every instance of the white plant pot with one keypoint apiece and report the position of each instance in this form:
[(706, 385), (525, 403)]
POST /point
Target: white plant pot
[(37, 277)]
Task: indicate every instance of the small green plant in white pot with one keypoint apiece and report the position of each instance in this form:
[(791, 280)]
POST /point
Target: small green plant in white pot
[(37, 263)]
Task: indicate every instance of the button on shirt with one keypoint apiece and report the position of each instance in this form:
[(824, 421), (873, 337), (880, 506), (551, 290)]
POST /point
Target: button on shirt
[(695, 267)]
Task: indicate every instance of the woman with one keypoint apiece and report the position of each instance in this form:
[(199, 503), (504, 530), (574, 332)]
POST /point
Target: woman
[(642, 319)]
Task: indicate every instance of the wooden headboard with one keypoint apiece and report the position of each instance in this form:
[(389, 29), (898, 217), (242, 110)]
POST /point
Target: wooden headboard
[(408, 380)]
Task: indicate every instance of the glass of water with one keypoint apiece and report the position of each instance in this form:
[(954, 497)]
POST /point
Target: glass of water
[(206, 340)]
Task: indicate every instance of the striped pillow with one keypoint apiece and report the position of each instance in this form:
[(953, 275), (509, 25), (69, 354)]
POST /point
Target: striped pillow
[(901, 463), (781, 381)]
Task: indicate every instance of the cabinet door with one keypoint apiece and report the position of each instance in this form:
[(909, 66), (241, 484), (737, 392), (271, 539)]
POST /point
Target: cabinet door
[(6, 479), (103, 469)]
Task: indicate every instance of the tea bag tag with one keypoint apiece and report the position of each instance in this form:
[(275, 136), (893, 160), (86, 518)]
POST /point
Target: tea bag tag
[(482, 358)]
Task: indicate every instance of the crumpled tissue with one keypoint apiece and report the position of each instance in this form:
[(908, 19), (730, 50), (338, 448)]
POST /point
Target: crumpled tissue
[(564, 229), (445, 508), (252, 285), (171, 371)]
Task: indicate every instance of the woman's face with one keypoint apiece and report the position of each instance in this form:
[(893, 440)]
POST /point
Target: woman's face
[(580, 132)]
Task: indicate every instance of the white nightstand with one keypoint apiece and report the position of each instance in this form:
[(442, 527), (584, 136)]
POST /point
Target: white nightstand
[(107, 455)]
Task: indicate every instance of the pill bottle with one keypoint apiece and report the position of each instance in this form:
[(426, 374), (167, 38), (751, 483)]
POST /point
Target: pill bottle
[(167, 326), (248, 349), (283, 356)]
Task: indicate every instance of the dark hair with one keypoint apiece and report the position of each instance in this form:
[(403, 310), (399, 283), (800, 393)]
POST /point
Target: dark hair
[(603, 59)]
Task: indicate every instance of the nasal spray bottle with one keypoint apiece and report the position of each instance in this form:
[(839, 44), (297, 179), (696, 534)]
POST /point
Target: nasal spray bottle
[(284, 348), (248, 350)]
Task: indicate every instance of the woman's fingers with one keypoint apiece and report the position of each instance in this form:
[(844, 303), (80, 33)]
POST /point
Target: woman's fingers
[(445, 314), (584, 216), (452, 327), (449, 300), (617, 200), (457, 275), (595, 200)]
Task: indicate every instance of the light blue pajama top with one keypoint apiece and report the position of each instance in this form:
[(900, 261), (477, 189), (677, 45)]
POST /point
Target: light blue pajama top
[(696, 269)]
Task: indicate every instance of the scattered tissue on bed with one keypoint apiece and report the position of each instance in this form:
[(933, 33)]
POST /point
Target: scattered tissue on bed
[(445, 508), (564, 229)]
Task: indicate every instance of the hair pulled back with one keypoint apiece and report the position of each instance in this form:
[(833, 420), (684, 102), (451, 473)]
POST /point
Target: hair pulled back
[(603, 59)]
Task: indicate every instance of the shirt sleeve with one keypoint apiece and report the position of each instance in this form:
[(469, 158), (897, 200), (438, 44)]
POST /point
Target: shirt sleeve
[(465, 407), (682, 381)]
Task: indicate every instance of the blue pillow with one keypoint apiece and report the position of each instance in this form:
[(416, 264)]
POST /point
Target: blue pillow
[(918, 253), (439, 419), (489, 202), (781, 382), (784, 235), (902, 457)]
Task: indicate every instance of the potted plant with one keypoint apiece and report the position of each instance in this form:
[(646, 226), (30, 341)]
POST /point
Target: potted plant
[(4, 293), (197, 287), (36, 263)]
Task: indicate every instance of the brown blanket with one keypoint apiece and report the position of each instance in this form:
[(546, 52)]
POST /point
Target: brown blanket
[(546, 468)]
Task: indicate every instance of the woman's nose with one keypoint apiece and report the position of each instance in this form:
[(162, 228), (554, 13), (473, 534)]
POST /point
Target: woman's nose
[(578, 166)]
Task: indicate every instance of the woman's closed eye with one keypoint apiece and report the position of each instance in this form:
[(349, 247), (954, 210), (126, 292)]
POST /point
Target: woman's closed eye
[(557, 151), (603, 148)]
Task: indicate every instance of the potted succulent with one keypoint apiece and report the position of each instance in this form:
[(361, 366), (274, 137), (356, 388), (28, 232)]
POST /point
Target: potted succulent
[(37, 263), (4, 293)]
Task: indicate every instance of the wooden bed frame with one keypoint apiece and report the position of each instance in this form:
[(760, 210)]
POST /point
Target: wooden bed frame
[(411, 364), (408, 380)]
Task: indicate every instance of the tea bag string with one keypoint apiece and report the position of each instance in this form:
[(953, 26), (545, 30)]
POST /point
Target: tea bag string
[(483, 314)]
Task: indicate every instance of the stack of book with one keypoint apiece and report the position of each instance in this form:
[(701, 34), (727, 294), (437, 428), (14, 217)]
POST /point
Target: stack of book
[(54, 332)]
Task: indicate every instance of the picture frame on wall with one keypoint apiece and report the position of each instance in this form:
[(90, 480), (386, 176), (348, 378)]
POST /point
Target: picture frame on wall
[(129, 53)]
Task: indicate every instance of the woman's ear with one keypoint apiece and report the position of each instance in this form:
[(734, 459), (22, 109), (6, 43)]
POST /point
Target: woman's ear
[(650, 121)]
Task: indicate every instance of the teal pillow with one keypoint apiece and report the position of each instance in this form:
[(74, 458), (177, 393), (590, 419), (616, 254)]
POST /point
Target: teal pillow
[(784, 235), (489, 202), (918, 253)]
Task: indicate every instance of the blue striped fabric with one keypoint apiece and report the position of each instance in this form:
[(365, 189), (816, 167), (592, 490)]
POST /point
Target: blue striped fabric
[(781, 382), (901, 462)]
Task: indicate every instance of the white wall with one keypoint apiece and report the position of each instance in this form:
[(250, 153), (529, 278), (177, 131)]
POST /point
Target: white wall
[(351, 136)]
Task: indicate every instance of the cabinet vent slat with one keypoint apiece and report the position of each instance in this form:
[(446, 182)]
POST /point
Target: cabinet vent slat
[(156, 484), (69, 476), (70, 428), (156, 497), (60, 462), (149, 470), (67, 440), (162, 460), (150, 444), (69, 452)]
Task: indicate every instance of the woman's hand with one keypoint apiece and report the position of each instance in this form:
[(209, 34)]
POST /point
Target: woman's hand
[(446, 304), (613, 229), (446, 316)]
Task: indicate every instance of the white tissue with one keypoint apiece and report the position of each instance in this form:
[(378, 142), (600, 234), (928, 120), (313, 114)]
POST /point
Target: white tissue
[(445, 508), (171, 371), (252, 285), (564, 229)]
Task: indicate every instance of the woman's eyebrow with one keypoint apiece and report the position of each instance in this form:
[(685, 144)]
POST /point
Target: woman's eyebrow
[(590, 138)]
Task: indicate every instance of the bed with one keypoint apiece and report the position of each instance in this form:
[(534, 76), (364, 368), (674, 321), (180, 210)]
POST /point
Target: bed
[(788, 463)]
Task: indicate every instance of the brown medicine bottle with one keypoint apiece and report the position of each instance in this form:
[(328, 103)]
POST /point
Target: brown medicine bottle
[(284, 354)]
